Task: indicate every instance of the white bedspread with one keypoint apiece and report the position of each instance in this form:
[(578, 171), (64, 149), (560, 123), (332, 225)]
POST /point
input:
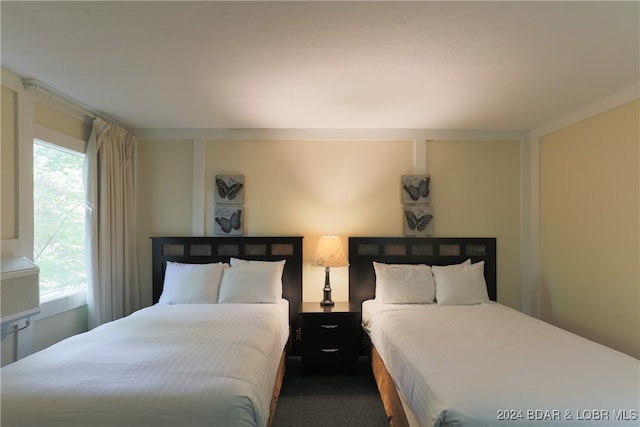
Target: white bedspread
[(165, 365), (488, 364)]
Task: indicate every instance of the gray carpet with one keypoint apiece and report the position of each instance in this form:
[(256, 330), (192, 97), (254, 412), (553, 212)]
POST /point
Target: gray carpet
[(336, 400)]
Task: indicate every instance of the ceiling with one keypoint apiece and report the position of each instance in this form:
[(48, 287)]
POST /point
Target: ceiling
[(327, 65)]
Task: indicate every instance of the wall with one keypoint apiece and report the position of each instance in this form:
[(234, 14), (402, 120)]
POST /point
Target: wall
[(589, 228), (61, 121), (8, 156), (310, 188), (164, 180), (476, 192), (345, 187)]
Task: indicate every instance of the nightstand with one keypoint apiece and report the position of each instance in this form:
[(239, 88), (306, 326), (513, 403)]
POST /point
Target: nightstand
[(330, 337)]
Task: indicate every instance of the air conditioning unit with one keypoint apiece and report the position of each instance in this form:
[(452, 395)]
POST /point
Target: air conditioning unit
[(19, 289)]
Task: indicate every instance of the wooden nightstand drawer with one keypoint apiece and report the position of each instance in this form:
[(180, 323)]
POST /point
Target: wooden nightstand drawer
[(331, 327), (330, 359), (329, 337)]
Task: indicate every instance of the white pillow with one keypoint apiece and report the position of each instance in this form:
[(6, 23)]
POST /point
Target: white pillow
[(191, 283), (278, 265), (460, 284), (251, 283), (461, 265), (404, 283)]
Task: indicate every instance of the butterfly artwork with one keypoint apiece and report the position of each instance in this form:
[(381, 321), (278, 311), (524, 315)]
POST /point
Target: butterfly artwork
[(418, 220), (416, 189), (229, 189), (228, 221)]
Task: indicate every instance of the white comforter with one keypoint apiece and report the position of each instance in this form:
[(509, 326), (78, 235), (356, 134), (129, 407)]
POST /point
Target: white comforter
[(488, 364), (165, 365)]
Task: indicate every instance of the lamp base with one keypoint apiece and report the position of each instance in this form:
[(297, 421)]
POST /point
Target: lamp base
[(326, 299)]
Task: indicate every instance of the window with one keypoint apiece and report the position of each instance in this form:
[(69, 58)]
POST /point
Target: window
[(59, 231)]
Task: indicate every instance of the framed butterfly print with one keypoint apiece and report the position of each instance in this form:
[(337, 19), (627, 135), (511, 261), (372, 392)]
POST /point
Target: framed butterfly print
[(228, 221), (229, 189), (418, 220), (416, 189)]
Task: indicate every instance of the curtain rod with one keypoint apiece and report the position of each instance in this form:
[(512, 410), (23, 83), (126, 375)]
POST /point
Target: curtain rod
[(66, 99)]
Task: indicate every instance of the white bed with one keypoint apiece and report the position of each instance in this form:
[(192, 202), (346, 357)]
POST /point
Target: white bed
[(489, 365), (445, 353), (211, 352), (165, 365)]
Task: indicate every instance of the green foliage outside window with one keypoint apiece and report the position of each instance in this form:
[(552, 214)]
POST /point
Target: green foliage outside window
[(59, 243)]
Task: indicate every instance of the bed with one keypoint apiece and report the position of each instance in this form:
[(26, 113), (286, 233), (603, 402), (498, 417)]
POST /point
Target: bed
[(201, 356), (468, 360)]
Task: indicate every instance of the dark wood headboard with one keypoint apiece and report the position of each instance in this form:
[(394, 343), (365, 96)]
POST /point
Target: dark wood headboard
[(416, 250), (202, 250)]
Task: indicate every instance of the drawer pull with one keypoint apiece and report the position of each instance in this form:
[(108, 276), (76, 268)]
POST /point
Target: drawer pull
[(329, 350), (329, 326)]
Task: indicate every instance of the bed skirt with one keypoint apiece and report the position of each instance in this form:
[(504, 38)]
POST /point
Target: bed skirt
[(277, 386), (388, 392)]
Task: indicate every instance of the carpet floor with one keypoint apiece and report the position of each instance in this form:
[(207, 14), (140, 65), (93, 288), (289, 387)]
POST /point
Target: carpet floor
[(336, 400)]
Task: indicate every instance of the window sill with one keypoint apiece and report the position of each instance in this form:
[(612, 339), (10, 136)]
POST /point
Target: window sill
[(67, 302)]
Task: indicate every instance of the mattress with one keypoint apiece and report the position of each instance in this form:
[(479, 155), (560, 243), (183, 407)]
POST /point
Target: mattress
[(490, 365), (179, 365)]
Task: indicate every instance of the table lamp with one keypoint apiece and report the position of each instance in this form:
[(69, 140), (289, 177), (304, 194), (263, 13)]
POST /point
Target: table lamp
[(329, 253)]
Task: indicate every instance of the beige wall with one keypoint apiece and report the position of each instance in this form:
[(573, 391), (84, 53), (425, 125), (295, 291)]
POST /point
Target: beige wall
[(164, 179), (349, 188), (8, 156), (589, 239), (52, 118), (476, 192), (311, 188)]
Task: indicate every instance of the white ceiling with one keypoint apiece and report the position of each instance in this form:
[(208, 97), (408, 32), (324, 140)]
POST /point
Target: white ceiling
[(327, 65)]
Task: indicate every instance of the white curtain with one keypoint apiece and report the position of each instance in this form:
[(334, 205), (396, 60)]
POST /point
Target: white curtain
[(112, 265)]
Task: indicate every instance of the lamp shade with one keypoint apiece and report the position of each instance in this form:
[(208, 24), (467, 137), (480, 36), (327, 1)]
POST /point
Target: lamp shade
[(330, 253)]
